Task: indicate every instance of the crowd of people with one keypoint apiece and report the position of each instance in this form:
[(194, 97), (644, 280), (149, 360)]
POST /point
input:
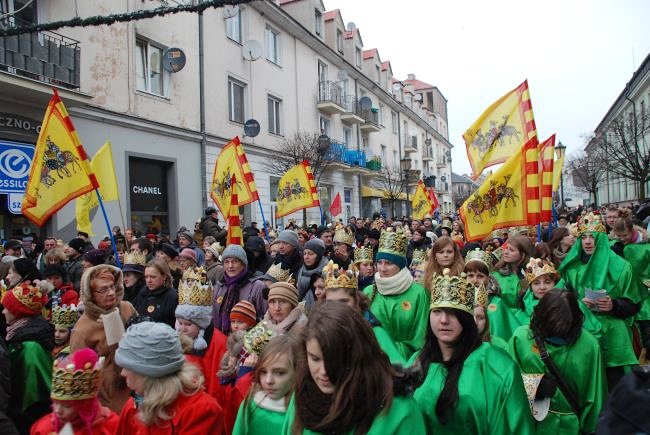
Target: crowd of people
[(375, 326)]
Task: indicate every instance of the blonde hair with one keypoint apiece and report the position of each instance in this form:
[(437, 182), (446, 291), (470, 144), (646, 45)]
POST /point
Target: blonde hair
[(163, 268), (55, 256), (160, 393)]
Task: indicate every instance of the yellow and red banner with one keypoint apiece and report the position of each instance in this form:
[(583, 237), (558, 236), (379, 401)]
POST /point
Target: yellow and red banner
[(234, 223), (509, 197), (558, 165), (60, 169), (296, 190), (546, 156), (501, 130), (422, 203), (232, 161), (104, 169)]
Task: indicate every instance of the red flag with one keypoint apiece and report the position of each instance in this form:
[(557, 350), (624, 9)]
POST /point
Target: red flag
[(434, 198), (234, 223), (336, 208)]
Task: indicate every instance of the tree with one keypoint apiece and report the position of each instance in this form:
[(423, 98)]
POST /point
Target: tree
[(623, 148), (392, 183), (588, 171)]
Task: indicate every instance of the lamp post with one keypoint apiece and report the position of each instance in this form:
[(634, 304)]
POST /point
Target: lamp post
[(560, 150), (405, 166)]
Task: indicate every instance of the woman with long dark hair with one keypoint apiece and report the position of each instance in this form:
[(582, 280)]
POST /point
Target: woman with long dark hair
[(345, 384), (469, 386), (509, 271), (562, 239), (557, 323)]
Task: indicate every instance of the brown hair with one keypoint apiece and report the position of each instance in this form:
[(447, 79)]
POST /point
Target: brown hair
[(476, 266), (163, 268), (624, 220), (279, 345), (355, 364), (525, 248), (55, 256), (433, 268)]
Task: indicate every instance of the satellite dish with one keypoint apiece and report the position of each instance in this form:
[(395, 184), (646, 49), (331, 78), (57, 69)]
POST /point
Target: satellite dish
[(173, 59), (230, 11), (418, 97), (365, 103), (397, 86), (351, 26), (251, 50), (251, 128), (342, 75)]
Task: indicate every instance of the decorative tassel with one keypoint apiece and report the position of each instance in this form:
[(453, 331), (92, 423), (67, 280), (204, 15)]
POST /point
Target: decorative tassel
[(200, 343)]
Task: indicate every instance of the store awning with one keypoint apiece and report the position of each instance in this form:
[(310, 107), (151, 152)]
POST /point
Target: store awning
[(367, 191)]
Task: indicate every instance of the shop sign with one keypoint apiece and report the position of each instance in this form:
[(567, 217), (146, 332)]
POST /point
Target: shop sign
[(15, 164)]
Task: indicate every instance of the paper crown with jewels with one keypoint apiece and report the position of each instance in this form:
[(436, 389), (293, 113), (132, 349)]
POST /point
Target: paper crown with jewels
[(393, 242), (256, 338), (363, 254), (77, 376), (446, 223), (195, 288), (452, 292), (537, 267), (135, 258), (65, 316), (343, 234), (481, 256), (378, 224), (481, 296), (590, 223), (336, 277), (276, 273), (419, 257)]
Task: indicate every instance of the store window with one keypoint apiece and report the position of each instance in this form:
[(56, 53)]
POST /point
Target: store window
[(149, 194)]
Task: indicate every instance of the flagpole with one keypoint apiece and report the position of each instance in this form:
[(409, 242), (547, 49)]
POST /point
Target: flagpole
[(119, 203), (110, 231), (266, 231), (322, 222)]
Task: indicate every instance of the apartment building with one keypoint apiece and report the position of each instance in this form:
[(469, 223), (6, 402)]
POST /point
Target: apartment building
[(304, 71)]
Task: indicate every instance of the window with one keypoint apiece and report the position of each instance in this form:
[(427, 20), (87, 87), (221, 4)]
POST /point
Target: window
[(339, 40), (274, 105), (236, 94), (273, 45), (322, 71), (347, 136), (149, 73), (24, 10), (318, 17), (378, 73), (383, 154), (324, 125), (395, 160), (357, 56), (233, 27), (274, 182), (381, 114), (393, 121)]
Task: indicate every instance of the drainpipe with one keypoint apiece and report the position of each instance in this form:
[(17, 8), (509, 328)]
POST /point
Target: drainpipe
[(204, 139), (399, 145), (356, 95)]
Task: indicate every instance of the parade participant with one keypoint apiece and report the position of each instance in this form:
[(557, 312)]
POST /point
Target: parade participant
[(159, 299), (344, 382), (92, 257), (289, 255), (445, 254), (22, 270), (611, 214), (326, 234), (187, 259), (242, 316), (625, 231), (284, 313), (186, 241), (418, 242), (61, 294), (168, 254), (591, 264), (169, 396), (48, 244), (576, 396), (303, 237), (63, 319), (365, 264), (509, 270), (75, 385), (562, 239), (133, 270), (263, 411), (317, 287), (213, 266), (400, 304), (238, 284), (482, 319), (209, 226), (469, 386), (30, 340), (73, 267), (313, 256), (458, 234), (102, 290), (343, 246), (444, 229), (259, 260)]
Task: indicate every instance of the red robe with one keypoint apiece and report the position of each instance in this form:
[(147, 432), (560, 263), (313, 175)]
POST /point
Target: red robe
[(198, 414), (104, 424)]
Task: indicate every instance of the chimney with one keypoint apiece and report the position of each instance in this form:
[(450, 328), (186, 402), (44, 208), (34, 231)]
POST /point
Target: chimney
[(411, 77)]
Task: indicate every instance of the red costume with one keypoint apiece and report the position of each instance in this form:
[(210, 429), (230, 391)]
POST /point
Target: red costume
[(105, 424)]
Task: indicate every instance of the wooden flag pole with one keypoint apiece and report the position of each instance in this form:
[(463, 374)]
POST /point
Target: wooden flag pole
[(110, 231)]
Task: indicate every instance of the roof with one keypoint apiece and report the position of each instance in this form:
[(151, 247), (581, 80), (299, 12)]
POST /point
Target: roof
[(284, 2), (330, 15), (418, 84), (463, 179), (386, 65), (369, 54)]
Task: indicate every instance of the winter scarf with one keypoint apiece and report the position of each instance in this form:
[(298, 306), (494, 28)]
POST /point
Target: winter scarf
[(394, 285), (304, 276), (295, 317), (33, 328), (313, 409), (233, 284)]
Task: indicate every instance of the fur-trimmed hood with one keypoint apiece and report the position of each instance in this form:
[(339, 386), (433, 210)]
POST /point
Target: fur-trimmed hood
[(90, 308)]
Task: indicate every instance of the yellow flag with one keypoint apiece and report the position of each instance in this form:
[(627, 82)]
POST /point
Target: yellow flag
[(501, 130), (421, 204), (60, 170), (296, 190), (104, 169), (507, 198), (557, 172)]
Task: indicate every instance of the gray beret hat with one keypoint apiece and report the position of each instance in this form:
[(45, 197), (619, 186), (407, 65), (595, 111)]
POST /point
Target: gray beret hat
[(150, 349)]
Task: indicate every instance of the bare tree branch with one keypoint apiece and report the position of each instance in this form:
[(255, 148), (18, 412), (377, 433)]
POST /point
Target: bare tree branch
[(392, 183), (588, 171)]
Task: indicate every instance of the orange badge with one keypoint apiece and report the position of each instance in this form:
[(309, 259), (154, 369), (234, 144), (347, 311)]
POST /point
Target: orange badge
[(492, 307), (219, 299), (406, 306), (150, 309)]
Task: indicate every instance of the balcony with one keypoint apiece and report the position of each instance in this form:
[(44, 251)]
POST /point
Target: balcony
[(428, 156), (348, 160), (371, 121), (330, 98), (373, 166), (352, 114), (410, 144), (44, 56), (441, 163)]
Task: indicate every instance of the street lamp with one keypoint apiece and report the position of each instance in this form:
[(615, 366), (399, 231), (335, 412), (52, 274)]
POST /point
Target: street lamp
[(405, 166), (323, 143), (560, 150)]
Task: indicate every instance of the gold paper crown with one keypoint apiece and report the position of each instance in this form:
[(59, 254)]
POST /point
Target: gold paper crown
[(452, 292), (498, 253), (537, 267), (69, 383), (573, 229), (481, 296), (65, 316), (195, 288), (591, 223), (336, 277), (482, 256), (135, 258), (343, 235), (256, 338), (363, 254), (393, 242), (446, 223), (419, 257), (378, 224), (279, 274)]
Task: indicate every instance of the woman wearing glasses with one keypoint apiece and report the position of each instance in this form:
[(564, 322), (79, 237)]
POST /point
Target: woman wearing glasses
[(102, 291)]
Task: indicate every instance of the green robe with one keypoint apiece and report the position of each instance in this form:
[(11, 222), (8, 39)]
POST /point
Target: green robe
[(405, 317), (605, 270), (31, 374), (581, 367), (499, 342), (502, 318), (253, 419), (402, 416), (509, 285), (639, 257), (492, 399), (387, 344)]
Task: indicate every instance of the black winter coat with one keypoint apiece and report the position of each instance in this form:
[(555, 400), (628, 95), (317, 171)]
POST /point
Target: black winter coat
[(159, 304)]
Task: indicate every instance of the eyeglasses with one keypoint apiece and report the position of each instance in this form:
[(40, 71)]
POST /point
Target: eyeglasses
[(105, 289)]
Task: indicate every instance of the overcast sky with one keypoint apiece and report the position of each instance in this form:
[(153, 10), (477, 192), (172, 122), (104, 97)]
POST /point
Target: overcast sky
[(576, 54)]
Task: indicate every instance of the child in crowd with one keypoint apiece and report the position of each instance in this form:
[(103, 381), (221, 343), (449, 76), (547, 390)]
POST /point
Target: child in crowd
[(63, 318), (62, 294)]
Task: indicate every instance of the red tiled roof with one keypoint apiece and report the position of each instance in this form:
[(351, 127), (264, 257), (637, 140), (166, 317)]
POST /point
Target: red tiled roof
[(369, 54), (385, 65), (284, 2), (418, 84), (330, 15)]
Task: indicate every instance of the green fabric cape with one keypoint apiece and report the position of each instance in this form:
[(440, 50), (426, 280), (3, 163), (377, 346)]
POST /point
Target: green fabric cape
[(255, 420), (31, 374)]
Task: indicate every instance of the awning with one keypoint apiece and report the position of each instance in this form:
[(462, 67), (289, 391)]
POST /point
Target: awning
[(367, 191)]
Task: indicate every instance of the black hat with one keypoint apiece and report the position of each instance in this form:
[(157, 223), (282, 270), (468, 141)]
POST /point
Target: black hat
[(78, 244), (82, 233), (255, 243), (374, 233), (13, 244), (26, 269), (54, 270), (169, 250), (95, 257), (210, 210)]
